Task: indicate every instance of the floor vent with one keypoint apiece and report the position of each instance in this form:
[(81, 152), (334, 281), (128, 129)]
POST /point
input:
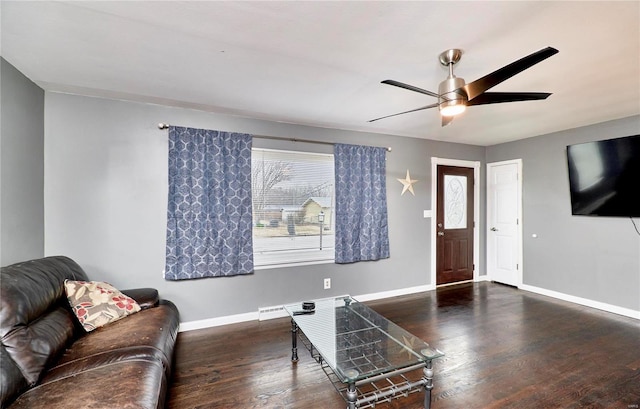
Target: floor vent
[(268, 313)]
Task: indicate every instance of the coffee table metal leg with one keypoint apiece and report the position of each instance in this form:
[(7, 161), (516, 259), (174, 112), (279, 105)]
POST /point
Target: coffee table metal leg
[(294, 341), (428, 377), (352, 396)]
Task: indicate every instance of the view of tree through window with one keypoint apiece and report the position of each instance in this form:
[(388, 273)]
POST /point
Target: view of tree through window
[(293, 207)]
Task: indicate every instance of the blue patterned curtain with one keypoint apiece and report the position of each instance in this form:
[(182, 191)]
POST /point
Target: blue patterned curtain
[(361, 203), (209, 210)]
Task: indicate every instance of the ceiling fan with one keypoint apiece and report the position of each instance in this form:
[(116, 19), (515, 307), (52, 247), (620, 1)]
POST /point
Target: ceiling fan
[(454, 95)]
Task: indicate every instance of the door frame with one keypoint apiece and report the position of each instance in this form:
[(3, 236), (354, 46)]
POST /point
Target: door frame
[(519, 261), (476, 210)]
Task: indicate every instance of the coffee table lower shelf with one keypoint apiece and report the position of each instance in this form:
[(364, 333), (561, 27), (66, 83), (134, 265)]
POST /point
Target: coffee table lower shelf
[(385, 387)]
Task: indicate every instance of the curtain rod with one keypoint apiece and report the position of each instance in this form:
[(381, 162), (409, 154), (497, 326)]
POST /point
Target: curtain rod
[(163, 125)]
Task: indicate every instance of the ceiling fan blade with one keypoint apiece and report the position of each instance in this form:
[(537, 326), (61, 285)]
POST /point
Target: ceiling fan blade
[(409, 87), (477, 87), (405, 112), (498, 97), (446, 120)]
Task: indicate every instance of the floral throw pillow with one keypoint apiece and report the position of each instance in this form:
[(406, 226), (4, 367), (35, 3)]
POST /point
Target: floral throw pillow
[(97, 303)]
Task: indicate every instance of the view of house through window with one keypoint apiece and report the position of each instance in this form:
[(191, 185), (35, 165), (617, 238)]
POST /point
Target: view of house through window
[(293, 207)]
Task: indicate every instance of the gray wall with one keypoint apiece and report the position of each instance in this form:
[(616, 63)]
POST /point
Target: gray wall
[(105, 204), (106, 195), (597, 258), (21, 167)]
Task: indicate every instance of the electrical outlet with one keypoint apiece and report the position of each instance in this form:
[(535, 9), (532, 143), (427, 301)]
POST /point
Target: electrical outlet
[(327, 283)]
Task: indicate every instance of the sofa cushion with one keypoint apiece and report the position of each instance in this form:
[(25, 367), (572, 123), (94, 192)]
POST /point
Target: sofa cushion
[(149, 333), (135, 384), (96, 303), (35, 322), (38, 344), (11, 381)]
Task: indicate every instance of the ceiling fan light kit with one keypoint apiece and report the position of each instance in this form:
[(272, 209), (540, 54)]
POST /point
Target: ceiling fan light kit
[(454, 95), (452, 108)]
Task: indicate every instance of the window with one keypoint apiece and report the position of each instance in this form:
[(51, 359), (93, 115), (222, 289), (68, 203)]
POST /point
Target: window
[(293, 207)]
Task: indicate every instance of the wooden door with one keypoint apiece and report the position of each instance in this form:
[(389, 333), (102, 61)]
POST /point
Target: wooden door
[(454, 225)]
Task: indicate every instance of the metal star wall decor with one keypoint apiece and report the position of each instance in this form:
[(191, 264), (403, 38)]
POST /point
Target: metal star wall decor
[(407, 183)]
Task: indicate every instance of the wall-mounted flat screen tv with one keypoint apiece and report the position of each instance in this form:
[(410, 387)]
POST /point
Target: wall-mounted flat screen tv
[(604, 177)]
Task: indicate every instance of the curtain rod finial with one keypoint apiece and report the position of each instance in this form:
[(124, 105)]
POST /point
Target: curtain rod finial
[(162, 125)]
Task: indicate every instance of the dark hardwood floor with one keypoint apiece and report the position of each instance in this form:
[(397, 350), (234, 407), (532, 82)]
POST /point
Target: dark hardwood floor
[(505, 348)]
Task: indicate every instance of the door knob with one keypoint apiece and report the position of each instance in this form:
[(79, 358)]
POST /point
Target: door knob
[(494, 229), (440, 233)]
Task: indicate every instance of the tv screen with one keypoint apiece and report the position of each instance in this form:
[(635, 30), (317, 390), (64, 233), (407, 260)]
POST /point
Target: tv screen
[(604, 177)]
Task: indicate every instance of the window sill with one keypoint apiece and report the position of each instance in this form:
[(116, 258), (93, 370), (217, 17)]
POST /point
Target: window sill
[(293, 264)]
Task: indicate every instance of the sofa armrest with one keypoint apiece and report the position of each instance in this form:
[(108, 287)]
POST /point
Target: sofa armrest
[(145, 297)]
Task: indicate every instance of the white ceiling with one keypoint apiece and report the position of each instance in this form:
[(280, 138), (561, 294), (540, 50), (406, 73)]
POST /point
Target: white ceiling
[(320, 63)]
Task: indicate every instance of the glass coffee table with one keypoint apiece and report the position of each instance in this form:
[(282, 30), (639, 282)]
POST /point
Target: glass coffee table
[(368, 358)]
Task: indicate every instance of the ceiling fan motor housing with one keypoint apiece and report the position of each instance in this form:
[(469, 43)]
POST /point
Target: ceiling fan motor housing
[(453, 98)]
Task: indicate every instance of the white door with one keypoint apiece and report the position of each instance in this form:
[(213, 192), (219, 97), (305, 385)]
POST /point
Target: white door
[(504, 227)]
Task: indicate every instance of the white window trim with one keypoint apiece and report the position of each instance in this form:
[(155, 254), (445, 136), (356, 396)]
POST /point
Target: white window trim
[(307, 262)]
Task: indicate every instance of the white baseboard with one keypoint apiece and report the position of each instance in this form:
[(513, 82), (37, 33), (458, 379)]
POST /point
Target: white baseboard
[(253, 316), (394, 293), (627, 312), (218, 321)]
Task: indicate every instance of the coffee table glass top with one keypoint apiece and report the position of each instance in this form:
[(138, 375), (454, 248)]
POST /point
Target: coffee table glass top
[(357, 342)]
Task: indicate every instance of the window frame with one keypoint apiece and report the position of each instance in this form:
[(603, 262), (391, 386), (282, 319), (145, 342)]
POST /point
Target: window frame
[(332, 217)]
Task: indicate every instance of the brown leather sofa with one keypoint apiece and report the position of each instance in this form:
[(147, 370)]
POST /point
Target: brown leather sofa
[(48, 361)]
